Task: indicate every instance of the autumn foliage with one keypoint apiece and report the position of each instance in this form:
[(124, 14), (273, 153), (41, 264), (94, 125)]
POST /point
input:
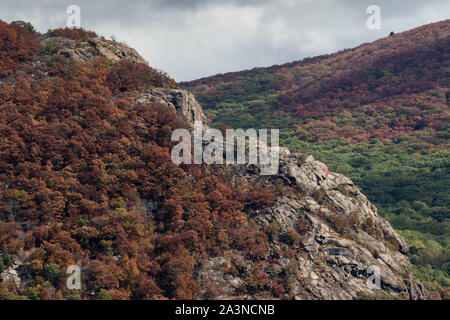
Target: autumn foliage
[(17, 44), (73, 33), (129, 76), (86, 178)]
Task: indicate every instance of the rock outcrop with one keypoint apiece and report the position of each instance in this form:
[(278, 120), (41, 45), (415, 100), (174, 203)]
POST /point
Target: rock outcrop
[(182, 101), (83, 51), (12, 275), (344, 244)]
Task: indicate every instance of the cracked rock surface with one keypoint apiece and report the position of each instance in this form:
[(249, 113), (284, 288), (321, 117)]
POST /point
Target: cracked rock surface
[(332, 259)]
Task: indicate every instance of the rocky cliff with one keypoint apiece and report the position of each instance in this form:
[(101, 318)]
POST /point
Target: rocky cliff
[(182, 101), (85, 50), (341, 240), (342, 237)]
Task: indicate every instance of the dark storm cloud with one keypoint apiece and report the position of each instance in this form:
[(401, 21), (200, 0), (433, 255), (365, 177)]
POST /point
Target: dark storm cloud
[(194, 38)]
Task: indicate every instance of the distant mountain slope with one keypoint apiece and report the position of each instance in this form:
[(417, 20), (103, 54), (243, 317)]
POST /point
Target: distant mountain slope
[(390, 87), (378, 113)]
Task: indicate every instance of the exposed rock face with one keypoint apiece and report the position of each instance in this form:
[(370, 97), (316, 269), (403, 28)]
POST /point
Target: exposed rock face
[(313, 176), (182, 101), (84, 51), (11, 275), (342, 239), (331, 195)]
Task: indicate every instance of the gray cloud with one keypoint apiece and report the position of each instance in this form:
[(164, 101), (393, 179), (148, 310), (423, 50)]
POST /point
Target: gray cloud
[(195, 38)]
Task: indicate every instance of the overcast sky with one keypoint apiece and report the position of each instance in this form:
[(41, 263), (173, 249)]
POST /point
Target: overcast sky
[(190, 39)]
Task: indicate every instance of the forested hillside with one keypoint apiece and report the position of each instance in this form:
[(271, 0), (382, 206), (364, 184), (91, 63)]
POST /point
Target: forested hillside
[(86, 178), (378, 113)]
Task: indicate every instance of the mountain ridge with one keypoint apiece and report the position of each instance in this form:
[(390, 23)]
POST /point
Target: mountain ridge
[(315, 59)]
